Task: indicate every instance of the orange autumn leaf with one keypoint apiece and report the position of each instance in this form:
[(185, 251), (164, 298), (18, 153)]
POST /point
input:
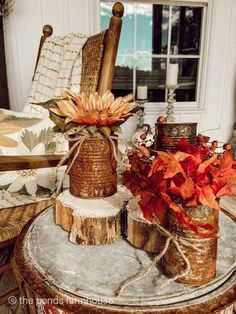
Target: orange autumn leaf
[(227, 165), (202, 167), (166, 163), (192, 202), (206, 196), (189, 177), (223, 186), (186, 221), (180, 156), (144, 151), (154, 206), (185, 190)]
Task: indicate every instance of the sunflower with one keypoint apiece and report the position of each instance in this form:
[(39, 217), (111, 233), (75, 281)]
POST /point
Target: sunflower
[(94, 110)]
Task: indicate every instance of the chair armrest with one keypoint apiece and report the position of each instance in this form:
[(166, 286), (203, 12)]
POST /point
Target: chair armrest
[(8, 163)]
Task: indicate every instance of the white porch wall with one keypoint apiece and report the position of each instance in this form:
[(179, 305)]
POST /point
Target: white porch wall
[(24, 28)]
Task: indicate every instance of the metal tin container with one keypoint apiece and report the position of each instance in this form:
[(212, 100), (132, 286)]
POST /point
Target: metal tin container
[(93, 173), (168, 134), (203, 264)]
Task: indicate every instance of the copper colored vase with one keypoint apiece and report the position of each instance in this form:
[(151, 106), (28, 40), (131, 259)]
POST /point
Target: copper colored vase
[(168, 134), (203, 264), (93, 173)]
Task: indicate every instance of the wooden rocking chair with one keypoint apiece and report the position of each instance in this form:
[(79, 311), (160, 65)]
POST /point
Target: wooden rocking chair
[(98, 65)]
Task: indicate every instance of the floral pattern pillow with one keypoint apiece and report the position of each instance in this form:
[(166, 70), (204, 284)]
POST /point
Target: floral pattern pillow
[(27, 134)]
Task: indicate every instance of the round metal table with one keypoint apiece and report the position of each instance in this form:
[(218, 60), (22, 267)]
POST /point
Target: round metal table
[(57, 276)]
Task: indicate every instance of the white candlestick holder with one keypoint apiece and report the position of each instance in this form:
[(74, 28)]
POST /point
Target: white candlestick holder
[(170, 103), (141, 112)]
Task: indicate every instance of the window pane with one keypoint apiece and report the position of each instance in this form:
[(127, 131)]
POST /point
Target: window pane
[(187, 80), (186, 30), (123, 78), (152, 29), (152, 73), (126, 43), (144, 35)]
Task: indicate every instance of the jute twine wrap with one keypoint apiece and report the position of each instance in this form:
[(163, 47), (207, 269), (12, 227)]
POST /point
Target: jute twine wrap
[(86, 163), (93, 173), (203, 264), (171, 240)]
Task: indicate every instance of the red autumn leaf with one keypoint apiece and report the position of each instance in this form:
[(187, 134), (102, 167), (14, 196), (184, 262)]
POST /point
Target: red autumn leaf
[(178, 179), (137, 185), (202, 167), (192, 202), (206, 196), (185, 190), (227, 189), (167, 163), (226, 161), (154, 206), (227, 164), (189, 177), (138, 165), (186, 147), (198, 154), (186, 221), (180, 156), (223, 186)]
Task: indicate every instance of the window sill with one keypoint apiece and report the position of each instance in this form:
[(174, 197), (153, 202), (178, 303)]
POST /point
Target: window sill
[(184, 107)]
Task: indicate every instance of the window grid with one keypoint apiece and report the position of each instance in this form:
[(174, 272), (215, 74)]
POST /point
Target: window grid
[(136, 55)]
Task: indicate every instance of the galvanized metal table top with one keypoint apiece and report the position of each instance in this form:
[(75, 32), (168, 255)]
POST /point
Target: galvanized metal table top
[(94, 272)]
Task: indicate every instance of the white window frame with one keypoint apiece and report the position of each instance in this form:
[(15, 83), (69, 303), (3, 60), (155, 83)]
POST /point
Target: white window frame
[(199, 105)]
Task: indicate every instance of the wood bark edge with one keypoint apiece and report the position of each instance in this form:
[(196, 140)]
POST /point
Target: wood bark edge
[(143, 235), (88, 230)]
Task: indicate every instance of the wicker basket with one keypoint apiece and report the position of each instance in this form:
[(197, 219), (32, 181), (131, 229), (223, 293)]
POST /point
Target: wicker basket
[(203, 264), (93, 174)]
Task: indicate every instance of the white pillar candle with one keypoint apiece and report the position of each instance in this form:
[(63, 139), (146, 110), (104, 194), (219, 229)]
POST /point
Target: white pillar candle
[(142, 92), (172, 74)]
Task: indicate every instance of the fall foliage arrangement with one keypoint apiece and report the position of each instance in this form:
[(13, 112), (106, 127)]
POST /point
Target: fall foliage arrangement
[(186, 177)]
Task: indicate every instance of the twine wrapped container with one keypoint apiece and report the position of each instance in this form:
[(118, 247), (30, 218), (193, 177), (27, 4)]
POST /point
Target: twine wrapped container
[(203, 264), (168, 134), (93, 173)]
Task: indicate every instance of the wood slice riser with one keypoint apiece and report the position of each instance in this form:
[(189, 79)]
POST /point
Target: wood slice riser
[(143, 235), (88, 230)]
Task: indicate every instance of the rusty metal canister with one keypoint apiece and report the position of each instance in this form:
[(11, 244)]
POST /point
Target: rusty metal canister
[(168, 134), (203, 264), (93, 173)]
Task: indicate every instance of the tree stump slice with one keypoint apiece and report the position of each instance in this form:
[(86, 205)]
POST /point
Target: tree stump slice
[(140, 232), (91, 221)]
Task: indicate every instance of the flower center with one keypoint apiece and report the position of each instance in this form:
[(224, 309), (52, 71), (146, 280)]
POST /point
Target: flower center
[(27, 173)]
